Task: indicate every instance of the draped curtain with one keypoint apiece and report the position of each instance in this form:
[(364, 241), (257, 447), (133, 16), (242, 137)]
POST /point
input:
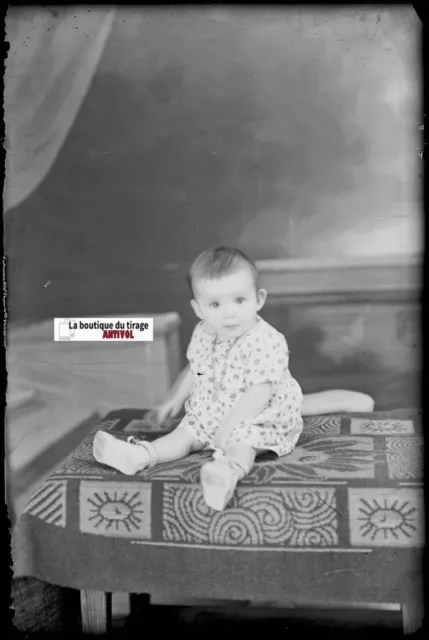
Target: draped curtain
[(54, 53)]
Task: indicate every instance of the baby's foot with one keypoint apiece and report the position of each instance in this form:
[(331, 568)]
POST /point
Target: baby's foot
[(219, 479), (125, 457)]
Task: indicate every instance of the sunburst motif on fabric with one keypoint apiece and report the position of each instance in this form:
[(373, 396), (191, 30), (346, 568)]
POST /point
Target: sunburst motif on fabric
[(386, 517), (381, 427), (115, 510)]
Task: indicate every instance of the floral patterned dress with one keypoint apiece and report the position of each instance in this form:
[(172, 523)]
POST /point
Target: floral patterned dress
[(224, 370)]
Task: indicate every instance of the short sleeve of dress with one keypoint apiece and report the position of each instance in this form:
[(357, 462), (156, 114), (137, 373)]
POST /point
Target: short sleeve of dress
[(194, 342), (267, 358)]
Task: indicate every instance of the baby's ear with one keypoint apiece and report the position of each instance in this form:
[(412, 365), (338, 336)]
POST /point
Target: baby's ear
[(196, 308), (261, 296)]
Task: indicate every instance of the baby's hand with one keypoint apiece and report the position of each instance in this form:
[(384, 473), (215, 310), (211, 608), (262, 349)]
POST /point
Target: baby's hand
[(168, 409)]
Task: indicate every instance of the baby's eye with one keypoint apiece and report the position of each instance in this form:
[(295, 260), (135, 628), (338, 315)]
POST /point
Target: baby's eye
[(214, 304), (240, 300)]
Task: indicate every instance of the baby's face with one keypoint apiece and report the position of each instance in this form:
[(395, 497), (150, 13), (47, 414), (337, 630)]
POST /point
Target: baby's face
[(228, 305)]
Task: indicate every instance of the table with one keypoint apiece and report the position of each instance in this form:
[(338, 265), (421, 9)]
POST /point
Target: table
[(340, 520)]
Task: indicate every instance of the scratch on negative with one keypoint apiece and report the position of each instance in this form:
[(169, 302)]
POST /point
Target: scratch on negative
[(17, 445), (328, 505), (320, 23), (337, 571)]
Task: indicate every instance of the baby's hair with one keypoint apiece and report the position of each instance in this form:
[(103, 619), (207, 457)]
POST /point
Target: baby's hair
[(218, 262)]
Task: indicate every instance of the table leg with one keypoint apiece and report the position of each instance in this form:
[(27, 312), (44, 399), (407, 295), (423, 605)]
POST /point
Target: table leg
[(96, 611), (412, 617)]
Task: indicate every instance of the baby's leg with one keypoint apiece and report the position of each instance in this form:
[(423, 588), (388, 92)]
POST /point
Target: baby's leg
[(131, 458), (220, 477), (175, 445)]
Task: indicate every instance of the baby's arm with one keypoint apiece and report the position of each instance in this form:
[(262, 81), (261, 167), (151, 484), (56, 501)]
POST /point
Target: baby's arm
[(182, 388), (250, 405), (176, 397)]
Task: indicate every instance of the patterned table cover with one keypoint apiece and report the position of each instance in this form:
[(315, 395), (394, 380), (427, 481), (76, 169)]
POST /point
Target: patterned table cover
[(338, 520)]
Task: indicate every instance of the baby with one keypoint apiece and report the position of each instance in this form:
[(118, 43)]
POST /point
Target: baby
[(241, 399)]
